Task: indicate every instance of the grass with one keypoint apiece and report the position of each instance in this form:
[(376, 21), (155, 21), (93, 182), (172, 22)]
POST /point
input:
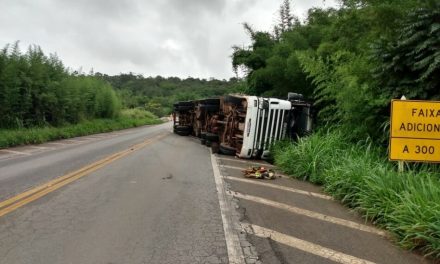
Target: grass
[(406, 204), (128, 118)]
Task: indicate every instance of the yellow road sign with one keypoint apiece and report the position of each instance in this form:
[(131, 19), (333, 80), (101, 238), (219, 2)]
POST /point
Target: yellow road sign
[(415, 130), (409, 149)]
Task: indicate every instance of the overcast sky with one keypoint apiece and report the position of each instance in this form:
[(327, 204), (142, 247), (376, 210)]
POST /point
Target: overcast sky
[(150, 37)]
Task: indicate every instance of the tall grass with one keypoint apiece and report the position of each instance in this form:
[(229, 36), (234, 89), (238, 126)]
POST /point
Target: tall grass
[(407, 204), (126, 119)]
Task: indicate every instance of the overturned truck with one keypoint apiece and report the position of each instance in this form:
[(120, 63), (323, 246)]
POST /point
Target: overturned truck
[(242, 125)]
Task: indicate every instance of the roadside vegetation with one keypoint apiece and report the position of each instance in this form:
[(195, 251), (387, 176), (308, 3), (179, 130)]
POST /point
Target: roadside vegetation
[(35, 135), (406, 204), (351, 62), (42, 100), (158, 94)]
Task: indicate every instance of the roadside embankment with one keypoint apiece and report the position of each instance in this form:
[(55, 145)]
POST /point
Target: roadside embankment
[(127, 119), (359, 175)]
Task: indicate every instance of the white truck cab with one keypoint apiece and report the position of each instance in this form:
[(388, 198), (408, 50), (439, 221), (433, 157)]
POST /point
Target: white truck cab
[(266, 122)]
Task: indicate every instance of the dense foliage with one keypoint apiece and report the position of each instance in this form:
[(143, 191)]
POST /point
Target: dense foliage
[(34, 135), (37, 90), (157, 94), (350, 61), (406, 204)]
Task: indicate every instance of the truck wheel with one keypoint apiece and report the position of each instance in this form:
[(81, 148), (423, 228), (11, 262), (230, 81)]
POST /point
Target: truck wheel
[(215, 147), (211, 137), (209, 108), (182, 130), (184, 107), (227, 150), (212, 101), (232, 100), (208, 143)]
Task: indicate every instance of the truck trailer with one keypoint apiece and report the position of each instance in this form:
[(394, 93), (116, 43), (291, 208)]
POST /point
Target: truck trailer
[(243, 125)]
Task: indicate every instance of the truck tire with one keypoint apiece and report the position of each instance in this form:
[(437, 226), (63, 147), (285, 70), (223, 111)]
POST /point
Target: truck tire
[(211, 101), (211, 137), (209, 108), (215, 147), (227, 150), (184, 108), (185, 103), (182, 130), (232, 100)]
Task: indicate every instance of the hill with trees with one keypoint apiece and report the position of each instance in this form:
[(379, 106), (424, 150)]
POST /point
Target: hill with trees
[(157, 94), (351, 62)]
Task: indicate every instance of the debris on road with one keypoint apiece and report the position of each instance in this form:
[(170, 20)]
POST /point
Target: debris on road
[(259, 173)]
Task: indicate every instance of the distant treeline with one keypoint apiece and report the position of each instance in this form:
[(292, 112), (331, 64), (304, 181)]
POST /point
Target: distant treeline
[(37, 90), (157, 94), (350, 61)]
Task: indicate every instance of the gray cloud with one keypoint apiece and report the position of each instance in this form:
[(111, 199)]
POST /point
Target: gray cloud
[(155, 37)]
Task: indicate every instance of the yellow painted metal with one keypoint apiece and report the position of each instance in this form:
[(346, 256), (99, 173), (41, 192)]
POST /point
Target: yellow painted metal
[(415, 131), (419, 150), (415, 119)]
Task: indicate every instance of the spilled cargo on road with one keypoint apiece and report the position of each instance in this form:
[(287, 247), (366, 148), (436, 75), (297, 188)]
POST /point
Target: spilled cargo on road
[(242, 125)]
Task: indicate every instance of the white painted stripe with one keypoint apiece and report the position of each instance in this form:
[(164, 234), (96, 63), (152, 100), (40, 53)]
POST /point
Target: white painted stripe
[(306, 246), (42, 148), (240, 168), (15, 152), (279, 187), (311, 214), (235, 252), (57, 143), (73, 140), (95, 137), (250, 163)]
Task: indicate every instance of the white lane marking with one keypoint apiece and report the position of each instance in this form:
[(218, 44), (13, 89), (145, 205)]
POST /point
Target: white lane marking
[(15, 152), (306, 246), (247, 162), (41, 148), (240, 168), (73, 140), (57, 143), (94, 137), (235, 253), (311, 214), (279, 187)]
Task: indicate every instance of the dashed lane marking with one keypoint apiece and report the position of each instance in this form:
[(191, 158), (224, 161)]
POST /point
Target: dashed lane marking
[(73, 140), (240, 168), (31, 195), (306, 246), (14, 152), (250, 163), (41, 148), (58, 143), (235, 252), (311, 214), (279, 187)]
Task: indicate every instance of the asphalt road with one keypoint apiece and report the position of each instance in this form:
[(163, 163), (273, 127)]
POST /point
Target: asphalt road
[(155, 205), (146, 195)]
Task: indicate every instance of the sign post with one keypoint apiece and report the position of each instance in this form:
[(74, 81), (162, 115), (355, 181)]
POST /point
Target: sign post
[(415, 131)]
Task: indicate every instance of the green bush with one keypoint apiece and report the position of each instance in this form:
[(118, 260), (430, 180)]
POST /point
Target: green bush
[(37, 90), (127, 119), (407, 204)]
